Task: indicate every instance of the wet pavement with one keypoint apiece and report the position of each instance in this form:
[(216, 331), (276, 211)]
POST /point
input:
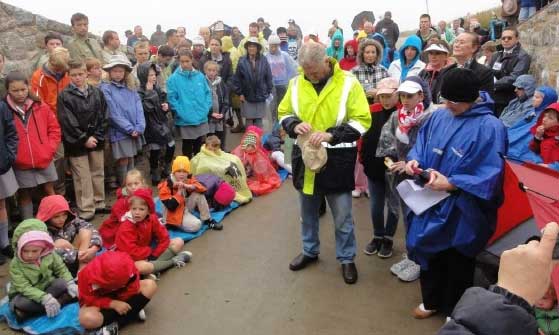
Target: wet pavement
[(239, 281)]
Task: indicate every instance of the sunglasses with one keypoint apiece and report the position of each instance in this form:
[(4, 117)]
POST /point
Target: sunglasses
[(506, 38)]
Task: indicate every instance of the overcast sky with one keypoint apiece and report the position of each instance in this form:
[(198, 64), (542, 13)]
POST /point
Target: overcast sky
[(120, 15)]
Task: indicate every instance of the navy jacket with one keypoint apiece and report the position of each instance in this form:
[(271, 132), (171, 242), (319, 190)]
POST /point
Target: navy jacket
[(8, 139), (255, 84)]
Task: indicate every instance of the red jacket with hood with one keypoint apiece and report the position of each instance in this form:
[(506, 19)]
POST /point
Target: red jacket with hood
[(347, 63), (109, 227), (109, 276), (38, 133), (135, 238), (548, 147)]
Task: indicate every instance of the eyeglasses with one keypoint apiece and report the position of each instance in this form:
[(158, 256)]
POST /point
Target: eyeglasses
[(506, 38)]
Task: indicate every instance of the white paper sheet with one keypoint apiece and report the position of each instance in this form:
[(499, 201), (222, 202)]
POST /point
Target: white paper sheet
[(419, 199)]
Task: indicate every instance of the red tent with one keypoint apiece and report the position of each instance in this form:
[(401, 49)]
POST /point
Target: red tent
[(530, 190)]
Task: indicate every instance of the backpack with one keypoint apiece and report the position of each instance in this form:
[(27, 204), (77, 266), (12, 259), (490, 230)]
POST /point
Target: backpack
[(509, 8)]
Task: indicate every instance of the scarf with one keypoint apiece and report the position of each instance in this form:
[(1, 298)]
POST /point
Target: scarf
[(406, 121)]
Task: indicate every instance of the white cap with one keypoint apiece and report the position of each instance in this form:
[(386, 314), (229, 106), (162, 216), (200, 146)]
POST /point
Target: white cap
[(436, 47), (198, 40), (410, 87), (274, 39)]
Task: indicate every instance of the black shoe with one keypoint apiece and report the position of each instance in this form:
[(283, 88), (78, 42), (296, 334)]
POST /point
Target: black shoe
[(374, 246), (349, 272), (3, 259), (386, 248), (7, 251), (155, 178), (301, 261), (213, 224)]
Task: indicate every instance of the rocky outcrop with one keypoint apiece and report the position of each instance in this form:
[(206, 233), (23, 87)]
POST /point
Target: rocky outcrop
[(22, 36), (540, 37)]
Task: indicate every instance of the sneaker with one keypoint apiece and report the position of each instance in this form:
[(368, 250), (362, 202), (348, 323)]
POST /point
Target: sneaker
[(356, 193), (421, 313), (182, 258), (373, 247), (142, 315), (386, 248), (397, 268), (110, 329), (411, 273), (212, 224)]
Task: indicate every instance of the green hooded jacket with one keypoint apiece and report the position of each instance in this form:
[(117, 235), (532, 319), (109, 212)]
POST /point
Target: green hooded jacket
[(31, 280)]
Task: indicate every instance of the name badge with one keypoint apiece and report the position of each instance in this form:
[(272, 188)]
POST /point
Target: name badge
[(497, 66)]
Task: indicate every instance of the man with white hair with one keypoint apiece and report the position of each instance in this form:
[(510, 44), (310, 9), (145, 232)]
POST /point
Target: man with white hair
[(328, 108)]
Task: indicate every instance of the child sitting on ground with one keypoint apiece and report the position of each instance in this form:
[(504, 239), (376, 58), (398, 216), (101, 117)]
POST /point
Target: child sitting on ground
[(273, 144), (111, 293), (219, 193), (262, 177), (211, 159), (133, 181), (546, 136), (75, 240), (138, 231), (180, 194), (40, 282)]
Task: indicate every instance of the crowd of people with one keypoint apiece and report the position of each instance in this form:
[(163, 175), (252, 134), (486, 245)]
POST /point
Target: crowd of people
[(440, 110)]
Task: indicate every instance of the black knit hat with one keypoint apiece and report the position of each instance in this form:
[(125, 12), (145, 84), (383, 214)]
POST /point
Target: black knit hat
[(460, 85)]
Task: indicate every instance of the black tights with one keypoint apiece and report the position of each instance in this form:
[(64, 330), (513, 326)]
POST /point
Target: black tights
[(191, 147), (137, 302)]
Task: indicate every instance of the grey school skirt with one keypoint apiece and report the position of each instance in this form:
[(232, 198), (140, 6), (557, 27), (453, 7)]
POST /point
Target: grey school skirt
[(8, 184), (34, 177), (253, 110), (127, 147), (193, 132)]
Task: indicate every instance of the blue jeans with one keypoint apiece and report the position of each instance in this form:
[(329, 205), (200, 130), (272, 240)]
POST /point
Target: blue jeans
[(340, 204), (378, 193), (526, 13)]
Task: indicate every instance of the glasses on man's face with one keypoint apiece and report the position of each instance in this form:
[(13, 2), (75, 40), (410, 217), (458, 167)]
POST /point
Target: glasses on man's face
[(506, 38)]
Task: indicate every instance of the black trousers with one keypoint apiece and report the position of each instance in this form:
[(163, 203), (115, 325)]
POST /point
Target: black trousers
[(448, 276), (190, 147), (137, 302)]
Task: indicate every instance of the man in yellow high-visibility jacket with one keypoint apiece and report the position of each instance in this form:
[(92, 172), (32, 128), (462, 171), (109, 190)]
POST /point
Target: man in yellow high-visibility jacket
[(330, 104)]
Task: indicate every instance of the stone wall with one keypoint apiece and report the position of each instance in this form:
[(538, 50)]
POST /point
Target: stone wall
[(540, 38), (22, 36)]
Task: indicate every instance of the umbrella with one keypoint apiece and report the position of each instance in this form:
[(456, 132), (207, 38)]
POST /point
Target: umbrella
[(357, 23)]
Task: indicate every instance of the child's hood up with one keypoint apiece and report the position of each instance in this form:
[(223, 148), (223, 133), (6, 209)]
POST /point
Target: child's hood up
[(31, 230), (111, 270), (52, 205)]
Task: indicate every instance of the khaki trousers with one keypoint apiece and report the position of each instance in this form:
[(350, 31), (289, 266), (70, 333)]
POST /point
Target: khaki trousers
[(88, 176)]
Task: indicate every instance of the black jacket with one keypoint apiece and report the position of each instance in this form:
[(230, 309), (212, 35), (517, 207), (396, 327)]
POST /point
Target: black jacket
[(511, 66), (374, 166), (8, 139), (485, 76), (225, 66), (491, 312), (157, 129), (81, 117), (255, 84)]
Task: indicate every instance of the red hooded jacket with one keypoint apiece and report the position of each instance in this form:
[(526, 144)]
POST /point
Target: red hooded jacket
[(109, 276), (109, 227), (135, 238), (39, 137), (548, 147), (347, 63)]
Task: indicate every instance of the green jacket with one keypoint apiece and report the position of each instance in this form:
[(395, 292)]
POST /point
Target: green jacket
[(81, 49), (31, 280)]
